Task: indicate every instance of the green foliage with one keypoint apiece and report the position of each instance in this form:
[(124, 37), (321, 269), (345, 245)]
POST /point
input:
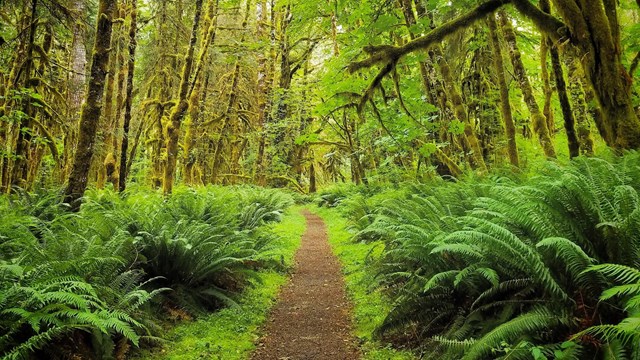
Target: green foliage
[(370, 305), (473, 269), (102, 273), (231, 332)]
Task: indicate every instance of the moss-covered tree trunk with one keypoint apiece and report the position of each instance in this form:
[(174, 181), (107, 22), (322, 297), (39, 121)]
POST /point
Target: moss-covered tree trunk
[(470, 138), (546, 81), (105, 160), (198, 91), (90, 116), (131, 65), (561, 87), (595, 32), (459, 110), (538, 120), (266, 71), (230, 117), (580, 107), (23, 142), (178, 112), (8, 129), (505, 105)]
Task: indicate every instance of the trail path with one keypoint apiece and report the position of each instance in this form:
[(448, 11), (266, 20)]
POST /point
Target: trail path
[(311, 319)]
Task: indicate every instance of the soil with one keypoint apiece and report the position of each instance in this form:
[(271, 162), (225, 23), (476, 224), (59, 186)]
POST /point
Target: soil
[(312, 317)]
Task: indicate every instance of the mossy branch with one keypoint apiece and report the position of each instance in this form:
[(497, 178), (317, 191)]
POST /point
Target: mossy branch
[(368, 94), (388, 54), (545, 22)]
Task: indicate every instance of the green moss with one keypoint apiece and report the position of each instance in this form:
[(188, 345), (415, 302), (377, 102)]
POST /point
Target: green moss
[(232, 332), (370, 307)]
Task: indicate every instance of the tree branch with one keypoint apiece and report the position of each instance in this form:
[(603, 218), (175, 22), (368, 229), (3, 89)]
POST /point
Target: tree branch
[(388, 54), (545, 22)]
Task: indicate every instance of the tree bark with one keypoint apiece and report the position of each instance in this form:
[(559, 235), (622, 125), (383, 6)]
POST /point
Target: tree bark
[(459, 110), (505, 106), (565, 105), (595, 34), (93, 106), (544, 72), (133, 29), (107, 165), (580, 107), (537, 118), (23, 143), (173, 129), (198, 90), (76, 86), (231, 111), (265, 85)]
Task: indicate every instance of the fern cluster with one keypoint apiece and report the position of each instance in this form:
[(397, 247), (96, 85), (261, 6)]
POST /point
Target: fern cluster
[(96, 282), (509, 267)]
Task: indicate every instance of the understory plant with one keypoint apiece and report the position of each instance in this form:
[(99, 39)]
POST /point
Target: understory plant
[(513, 267), (95, 283)]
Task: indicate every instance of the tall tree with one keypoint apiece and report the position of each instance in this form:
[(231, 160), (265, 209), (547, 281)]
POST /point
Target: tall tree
[(561, 87), (538, 120), (133, 28), (76, 84), (179, 110), (90, 116), (593, 28), (505, 105)]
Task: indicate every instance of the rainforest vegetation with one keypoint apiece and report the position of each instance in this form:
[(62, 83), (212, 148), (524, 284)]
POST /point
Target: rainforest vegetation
[(475, 161)]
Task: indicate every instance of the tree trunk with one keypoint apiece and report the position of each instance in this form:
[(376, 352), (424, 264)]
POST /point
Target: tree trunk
[(122, 180), (23, 143), (505, 106), (580, 107), (265, 86), (198, 91), (93, 106), (231, 112), (537, 118), (175, 121), (459, 110), (565, 105), (596, 34), (546, 80), (76, 86), (107, 165)]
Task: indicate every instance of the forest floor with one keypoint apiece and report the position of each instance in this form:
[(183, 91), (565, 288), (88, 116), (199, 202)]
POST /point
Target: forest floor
[(312, 317)]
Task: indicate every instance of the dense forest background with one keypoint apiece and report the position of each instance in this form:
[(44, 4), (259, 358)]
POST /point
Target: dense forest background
[(286, 93)]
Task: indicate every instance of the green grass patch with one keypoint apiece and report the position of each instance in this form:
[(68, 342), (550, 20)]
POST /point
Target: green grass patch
[(370, 307), (231, 333)]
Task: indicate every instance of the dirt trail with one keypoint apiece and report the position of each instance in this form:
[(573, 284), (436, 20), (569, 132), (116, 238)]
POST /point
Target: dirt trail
[(311, 319)]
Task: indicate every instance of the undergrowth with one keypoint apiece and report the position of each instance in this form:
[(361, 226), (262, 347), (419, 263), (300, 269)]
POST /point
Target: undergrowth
[(509, 267), (95, 283), (231, 333)]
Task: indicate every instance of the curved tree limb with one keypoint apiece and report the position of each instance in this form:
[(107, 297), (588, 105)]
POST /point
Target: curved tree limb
[(391, 54), (368, 94), (546, 23)]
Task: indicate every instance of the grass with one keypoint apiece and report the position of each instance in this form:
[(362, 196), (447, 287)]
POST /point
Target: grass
[(370, 307), (231, 333)]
